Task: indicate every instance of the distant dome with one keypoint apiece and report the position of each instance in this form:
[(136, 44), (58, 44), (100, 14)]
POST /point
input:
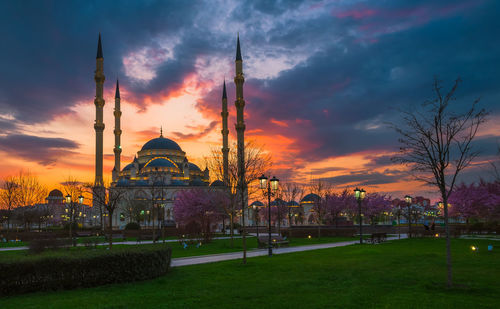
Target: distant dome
[(193, 167), (310, 198), (55, 193), (217, 183), (160, 162), (293, 204), (278, 202), (161, 143)]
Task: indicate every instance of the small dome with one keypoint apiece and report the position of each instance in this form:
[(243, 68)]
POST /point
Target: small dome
[(278, 202), (293, 204), (257, 204), (197, 183), (217, 183), (160, 162), (177, 182), (122, 182), (193, 167), (128, 167), (141, 183), (310, 198), (55, 193), (161, 143)]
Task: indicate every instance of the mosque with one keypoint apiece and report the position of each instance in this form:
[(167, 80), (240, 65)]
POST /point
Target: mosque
[(160, 168)]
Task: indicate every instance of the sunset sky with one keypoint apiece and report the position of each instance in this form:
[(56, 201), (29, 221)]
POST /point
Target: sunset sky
[(323, 78)]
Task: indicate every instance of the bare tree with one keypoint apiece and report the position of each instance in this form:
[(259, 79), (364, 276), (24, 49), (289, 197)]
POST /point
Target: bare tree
[(109, 197), (291, 192), (320, 206), (436, 144), (257, 162), (74, 189), (9, 197), (496, 166), (30, 190)]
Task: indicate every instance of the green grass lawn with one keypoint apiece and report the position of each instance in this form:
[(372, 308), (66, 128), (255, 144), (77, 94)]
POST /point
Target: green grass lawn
[(399, 274), (216, 246)]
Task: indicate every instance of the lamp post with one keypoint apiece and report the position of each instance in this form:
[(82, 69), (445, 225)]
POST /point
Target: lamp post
[(399, 223), (360, 196), (256, 216), (408, 204), (272, 187), (71, 209)]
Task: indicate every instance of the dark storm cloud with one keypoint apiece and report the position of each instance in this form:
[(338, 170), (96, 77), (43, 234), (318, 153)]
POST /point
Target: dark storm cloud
[(43, 150), (49, 48), (362, 61), (367, 178), (350, 90), (192, 136)]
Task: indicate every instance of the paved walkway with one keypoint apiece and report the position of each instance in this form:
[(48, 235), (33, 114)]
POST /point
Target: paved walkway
[(260, 252), (133, 242)]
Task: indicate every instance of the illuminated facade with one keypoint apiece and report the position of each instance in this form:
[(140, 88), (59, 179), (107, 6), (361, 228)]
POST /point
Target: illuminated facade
[(161, 168)]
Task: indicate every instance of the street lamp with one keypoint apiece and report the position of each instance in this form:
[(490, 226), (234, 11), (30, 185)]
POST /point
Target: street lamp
[(272, 187), (408, 204), (71, 208), (360, 194)]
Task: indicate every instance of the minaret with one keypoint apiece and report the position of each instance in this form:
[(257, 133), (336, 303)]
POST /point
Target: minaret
[(99, 105), (225, 133), (240, 122), (118, 132), (240, 131)]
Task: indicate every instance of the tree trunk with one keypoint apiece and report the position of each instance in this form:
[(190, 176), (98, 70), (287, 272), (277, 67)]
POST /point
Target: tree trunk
[(71, 227), (243, 209), (154, 231), (231, 229), (448, 244), (110, 229)]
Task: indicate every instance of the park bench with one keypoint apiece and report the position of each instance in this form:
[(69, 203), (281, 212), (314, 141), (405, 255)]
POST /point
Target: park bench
[(116, 236), (92, 242), (83, 233), (377, 238), (277, 241)]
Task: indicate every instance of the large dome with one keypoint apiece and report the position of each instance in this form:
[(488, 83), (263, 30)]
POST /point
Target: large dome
[(160, 162), (161, 143)]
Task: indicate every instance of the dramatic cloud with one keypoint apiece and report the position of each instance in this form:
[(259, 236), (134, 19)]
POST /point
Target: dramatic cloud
[(322, 78), (42, 150)]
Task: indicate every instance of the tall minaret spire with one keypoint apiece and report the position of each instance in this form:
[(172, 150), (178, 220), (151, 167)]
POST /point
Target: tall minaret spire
[(225, 133), (240, 131), (99, 105), (118, 132)]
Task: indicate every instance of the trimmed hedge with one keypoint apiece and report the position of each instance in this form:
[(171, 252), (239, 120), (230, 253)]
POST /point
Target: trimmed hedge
[(85, 269)]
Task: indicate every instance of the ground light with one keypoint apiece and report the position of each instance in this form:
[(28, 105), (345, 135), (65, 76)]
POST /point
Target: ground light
[(309, 236), (490, 248), (437, 235), (474, 248)]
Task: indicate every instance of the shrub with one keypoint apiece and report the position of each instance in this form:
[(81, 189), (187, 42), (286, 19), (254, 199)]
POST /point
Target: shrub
[(82, 269), (37, 246), (133, 226)]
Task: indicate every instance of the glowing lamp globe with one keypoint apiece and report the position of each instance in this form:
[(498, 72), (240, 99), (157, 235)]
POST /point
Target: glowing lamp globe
[(263, 181), (408, 199), (274, 183)]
